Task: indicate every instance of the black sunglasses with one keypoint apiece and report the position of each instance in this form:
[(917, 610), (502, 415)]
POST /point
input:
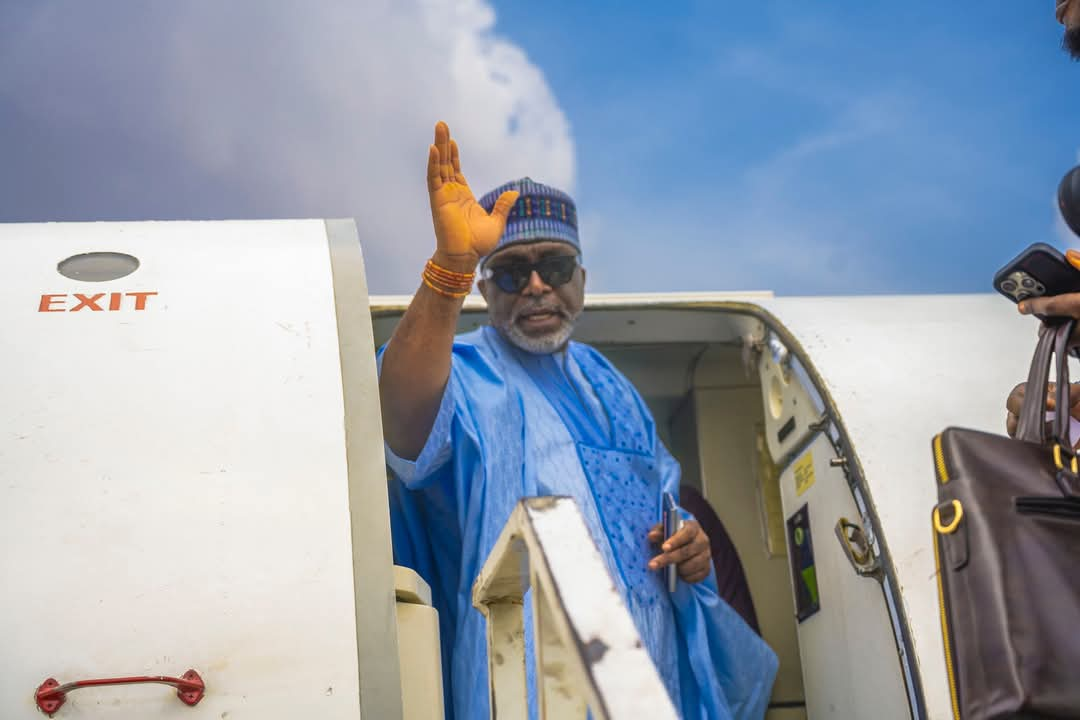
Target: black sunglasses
[(554, 270)]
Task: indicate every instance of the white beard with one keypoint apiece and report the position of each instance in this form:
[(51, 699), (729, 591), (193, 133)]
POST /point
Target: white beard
[(538, 344)]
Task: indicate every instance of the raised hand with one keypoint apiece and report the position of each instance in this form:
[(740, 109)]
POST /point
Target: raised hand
[(464, 231)]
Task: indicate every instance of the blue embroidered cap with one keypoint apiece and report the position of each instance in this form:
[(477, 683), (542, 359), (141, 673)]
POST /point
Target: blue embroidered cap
[(540, 213)]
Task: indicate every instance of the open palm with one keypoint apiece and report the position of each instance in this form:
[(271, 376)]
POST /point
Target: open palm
[(462, 227)]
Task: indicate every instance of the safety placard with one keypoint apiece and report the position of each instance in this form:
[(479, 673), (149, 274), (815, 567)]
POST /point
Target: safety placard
[(804, 473)]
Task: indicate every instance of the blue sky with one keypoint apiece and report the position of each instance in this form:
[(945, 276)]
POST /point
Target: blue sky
[(805, 148), (809, 147)]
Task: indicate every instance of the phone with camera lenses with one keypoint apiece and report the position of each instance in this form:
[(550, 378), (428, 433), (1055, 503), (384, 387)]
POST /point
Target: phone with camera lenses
[(1039, 270)]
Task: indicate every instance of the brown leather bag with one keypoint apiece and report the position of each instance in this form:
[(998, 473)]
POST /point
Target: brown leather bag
[(1007, 543)]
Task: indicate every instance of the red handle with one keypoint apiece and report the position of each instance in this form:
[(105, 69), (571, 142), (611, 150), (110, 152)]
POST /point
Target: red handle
[(51, 694)]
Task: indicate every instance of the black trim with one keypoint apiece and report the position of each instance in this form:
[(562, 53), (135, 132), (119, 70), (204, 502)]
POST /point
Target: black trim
[(787, 429)]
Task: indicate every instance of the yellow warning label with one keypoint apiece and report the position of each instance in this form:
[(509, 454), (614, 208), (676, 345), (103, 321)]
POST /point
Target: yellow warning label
[(804, 473)]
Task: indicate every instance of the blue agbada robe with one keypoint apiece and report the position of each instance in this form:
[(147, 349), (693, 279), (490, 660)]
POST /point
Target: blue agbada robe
[(512, 424)]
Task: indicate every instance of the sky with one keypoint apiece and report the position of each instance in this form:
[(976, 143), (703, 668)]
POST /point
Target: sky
[(805, 148)]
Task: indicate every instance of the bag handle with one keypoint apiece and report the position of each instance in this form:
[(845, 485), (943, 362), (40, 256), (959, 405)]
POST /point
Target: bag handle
[(1032, 422), (1031, 426), (1061, 413)]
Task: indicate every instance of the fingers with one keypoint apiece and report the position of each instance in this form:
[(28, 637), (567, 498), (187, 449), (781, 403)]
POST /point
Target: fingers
[(689, 543), (444, 159), (442, 144), (688, 549), (696, 569), (1013, 403), (1051, 396), (674, 557), (1067, 305), (1015, 400), (503, 205), (1074, 400), (434, 175), (455, 163), (683, 536)]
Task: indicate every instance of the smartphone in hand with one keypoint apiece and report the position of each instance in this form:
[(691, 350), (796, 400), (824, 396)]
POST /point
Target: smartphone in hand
[(671, 521), (1039, 270)]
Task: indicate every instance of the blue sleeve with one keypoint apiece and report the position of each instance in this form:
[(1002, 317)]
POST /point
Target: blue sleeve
[(423, 519), (436, 452), (737, 680)]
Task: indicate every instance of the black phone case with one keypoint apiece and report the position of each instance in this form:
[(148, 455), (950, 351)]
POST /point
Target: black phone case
[(1046, 266)]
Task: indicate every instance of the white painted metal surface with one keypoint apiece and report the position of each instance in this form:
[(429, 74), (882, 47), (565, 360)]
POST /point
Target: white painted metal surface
[(418, 639), (589, 652), (849, 653), (899, 370), (174, 491)]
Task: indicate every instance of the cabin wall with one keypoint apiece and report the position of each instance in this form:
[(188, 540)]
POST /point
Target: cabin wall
[(682, 429), (725, 414), (726, 419)]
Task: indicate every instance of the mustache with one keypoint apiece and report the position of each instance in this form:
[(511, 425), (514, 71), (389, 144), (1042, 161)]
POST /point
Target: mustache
[(538, 306)]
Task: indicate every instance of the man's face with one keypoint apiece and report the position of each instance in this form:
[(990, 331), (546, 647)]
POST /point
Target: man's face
[(539, 318), (1068, 14)]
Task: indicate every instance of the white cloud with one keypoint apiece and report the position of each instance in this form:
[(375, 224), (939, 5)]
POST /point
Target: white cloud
[(284, 108)]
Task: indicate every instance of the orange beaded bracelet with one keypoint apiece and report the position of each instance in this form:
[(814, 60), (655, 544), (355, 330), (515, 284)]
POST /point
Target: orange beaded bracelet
[(447, 282)]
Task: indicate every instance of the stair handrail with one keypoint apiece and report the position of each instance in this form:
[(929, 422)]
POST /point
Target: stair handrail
[(589, 655)]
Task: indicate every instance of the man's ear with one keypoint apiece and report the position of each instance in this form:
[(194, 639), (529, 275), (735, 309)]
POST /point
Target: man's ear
[(481, 285)]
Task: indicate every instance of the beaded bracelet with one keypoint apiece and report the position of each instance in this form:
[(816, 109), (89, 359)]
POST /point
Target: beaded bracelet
[(449, 275), (444, 293), (447, 282)]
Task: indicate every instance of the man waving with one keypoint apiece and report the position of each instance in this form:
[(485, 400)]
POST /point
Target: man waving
[(515, 409)]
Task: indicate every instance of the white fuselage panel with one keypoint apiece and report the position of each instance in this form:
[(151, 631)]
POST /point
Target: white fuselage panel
[(173, 478)]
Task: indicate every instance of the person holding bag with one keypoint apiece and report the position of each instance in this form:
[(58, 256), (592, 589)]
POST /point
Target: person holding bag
[(1006, 538)]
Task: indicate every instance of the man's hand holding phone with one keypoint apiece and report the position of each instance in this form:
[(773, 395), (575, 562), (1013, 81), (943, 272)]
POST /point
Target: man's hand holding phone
[(688, 549), (1063, 305), (1060, 300)]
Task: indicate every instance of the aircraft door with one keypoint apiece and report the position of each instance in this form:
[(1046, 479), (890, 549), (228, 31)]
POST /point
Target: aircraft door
[(190, 452), (851, 660)]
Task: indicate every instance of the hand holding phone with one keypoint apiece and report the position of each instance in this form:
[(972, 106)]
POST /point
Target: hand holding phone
[(671, 521), (1040, 270)]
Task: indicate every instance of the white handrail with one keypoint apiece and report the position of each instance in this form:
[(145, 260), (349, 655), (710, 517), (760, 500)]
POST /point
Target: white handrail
[(589, 654)]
